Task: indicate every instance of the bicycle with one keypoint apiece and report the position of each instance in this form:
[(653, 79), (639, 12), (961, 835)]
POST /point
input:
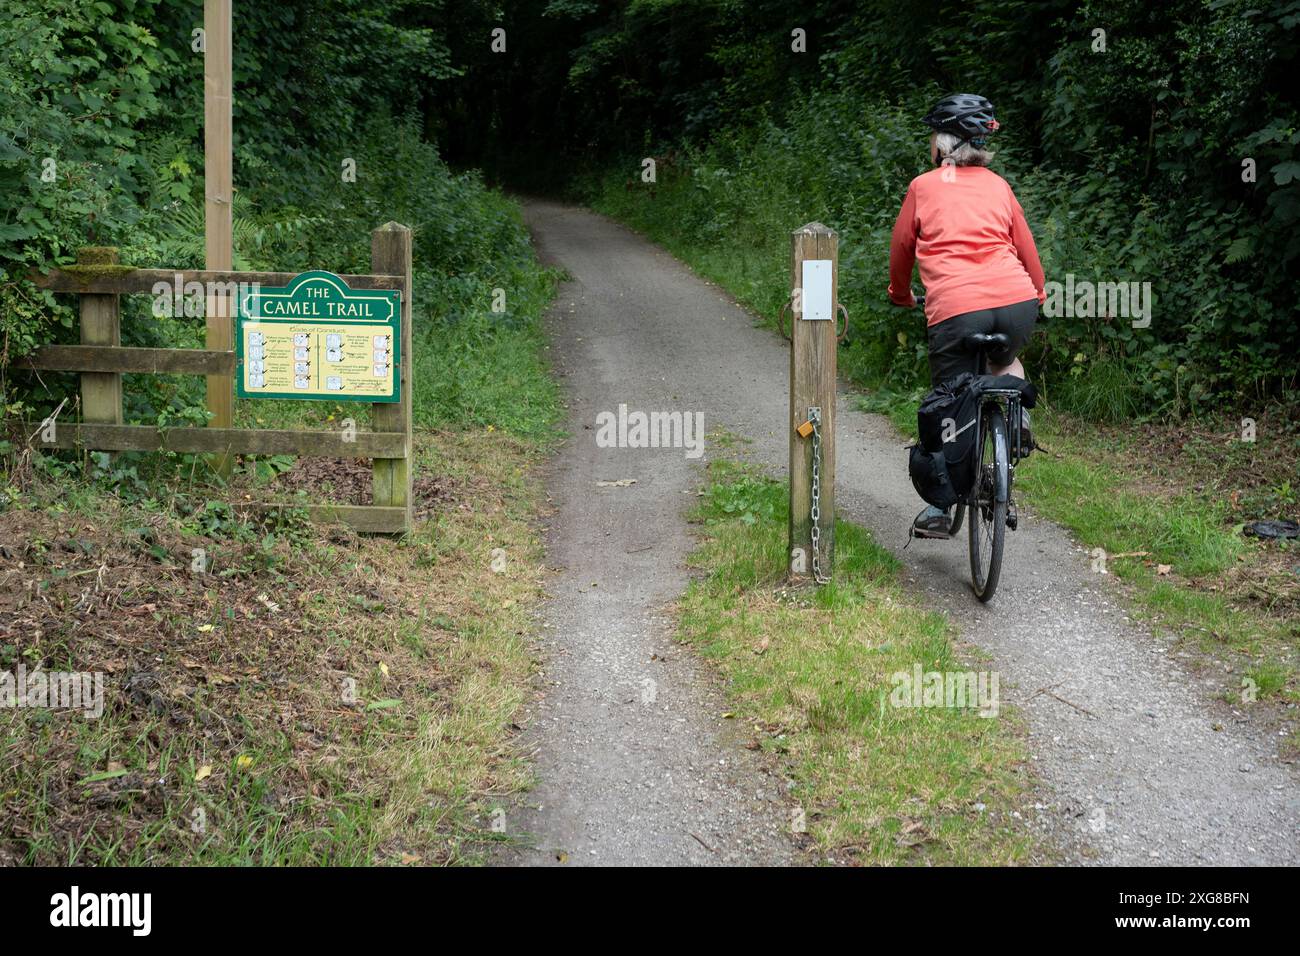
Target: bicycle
[(999, 447)]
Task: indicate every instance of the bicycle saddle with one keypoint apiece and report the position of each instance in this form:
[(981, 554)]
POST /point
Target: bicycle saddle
[(978, 341)]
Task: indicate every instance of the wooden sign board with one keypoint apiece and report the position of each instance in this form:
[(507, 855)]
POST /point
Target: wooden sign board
[(317, 339)]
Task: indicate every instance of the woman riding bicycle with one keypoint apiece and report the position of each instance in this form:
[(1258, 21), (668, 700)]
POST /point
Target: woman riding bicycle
[(962, 226)]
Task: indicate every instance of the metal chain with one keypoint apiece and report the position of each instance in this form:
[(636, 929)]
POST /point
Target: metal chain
[(815, 416)]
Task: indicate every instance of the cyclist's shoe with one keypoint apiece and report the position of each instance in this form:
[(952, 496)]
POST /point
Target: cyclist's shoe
[(932, 523), (1012, 518)]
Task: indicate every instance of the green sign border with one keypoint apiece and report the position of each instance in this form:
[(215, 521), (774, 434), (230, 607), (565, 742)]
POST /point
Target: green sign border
[(392, 297)]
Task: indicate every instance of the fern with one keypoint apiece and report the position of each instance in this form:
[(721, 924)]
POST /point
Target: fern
[(1239, 250), (257, 240)]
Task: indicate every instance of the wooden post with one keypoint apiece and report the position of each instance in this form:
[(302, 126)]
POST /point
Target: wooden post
[(218, 189), (101, 324), (390, 254), (813, 325)]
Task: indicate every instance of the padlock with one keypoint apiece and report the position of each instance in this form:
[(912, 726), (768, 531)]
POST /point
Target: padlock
[(805, 429)]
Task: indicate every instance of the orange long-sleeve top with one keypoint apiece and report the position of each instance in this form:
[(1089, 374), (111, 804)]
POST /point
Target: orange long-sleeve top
[(964, 228)]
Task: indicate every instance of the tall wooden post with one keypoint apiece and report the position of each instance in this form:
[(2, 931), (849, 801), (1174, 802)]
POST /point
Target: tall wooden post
[(390, 254), (218, 189), (814, 256), (101, 324)]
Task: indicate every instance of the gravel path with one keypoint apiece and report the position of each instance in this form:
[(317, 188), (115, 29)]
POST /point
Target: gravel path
[(634, 759)]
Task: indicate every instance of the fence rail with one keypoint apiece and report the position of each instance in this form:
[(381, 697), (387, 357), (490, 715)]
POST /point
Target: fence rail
[(108, 358), (109, 279), (305, 443), (102, 360)]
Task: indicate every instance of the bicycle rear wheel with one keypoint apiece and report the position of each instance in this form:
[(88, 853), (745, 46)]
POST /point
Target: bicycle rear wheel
[(988, 516)]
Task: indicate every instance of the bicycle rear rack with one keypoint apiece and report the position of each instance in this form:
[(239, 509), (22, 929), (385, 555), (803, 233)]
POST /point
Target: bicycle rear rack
[(1012, 417)]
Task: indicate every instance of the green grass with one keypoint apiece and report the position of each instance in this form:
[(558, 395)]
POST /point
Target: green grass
[(1183, 532), (488, 368), (810, 674), (1082, 488), (246, 747), (899, 408), (250, 754)]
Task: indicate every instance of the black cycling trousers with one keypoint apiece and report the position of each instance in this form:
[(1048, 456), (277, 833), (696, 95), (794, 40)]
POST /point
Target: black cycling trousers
[(948, 355)]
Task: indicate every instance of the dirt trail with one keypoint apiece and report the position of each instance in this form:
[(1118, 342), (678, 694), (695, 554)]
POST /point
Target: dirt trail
[(1122, 736)]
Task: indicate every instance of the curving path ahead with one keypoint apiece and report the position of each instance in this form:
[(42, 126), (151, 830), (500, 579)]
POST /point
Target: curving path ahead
[(634, 758)]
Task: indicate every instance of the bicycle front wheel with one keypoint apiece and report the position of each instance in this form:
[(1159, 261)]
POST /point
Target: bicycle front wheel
[(987, 524)]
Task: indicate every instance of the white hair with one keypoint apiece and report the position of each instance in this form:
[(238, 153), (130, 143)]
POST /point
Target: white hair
[(960, 152)]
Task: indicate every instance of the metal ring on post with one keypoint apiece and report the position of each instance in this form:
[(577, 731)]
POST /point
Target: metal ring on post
[(844, 312), (780, 322)]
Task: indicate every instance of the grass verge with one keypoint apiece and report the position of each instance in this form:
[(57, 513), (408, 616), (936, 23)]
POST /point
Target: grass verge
[(277, 692), (815, 674), (309, 697), (1170, 527)]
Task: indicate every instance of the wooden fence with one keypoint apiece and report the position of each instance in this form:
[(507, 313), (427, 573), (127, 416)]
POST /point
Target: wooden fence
[(102, 359)]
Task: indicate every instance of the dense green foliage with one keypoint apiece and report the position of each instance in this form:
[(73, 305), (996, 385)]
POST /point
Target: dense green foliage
[(1128, 160), (101, 143)]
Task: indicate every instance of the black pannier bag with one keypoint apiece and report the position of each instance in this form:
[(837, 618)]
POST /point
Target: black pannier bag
[(930, 478), (939, 469), (942, 463)]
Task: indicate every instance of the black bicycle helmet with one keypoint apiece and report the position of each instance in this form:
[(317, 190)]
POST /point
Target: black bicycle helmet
[(967, 116)]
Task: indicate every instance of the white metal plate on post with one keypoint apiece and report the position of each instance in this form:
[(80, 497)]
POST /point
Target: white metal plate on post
[(817, 304)]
